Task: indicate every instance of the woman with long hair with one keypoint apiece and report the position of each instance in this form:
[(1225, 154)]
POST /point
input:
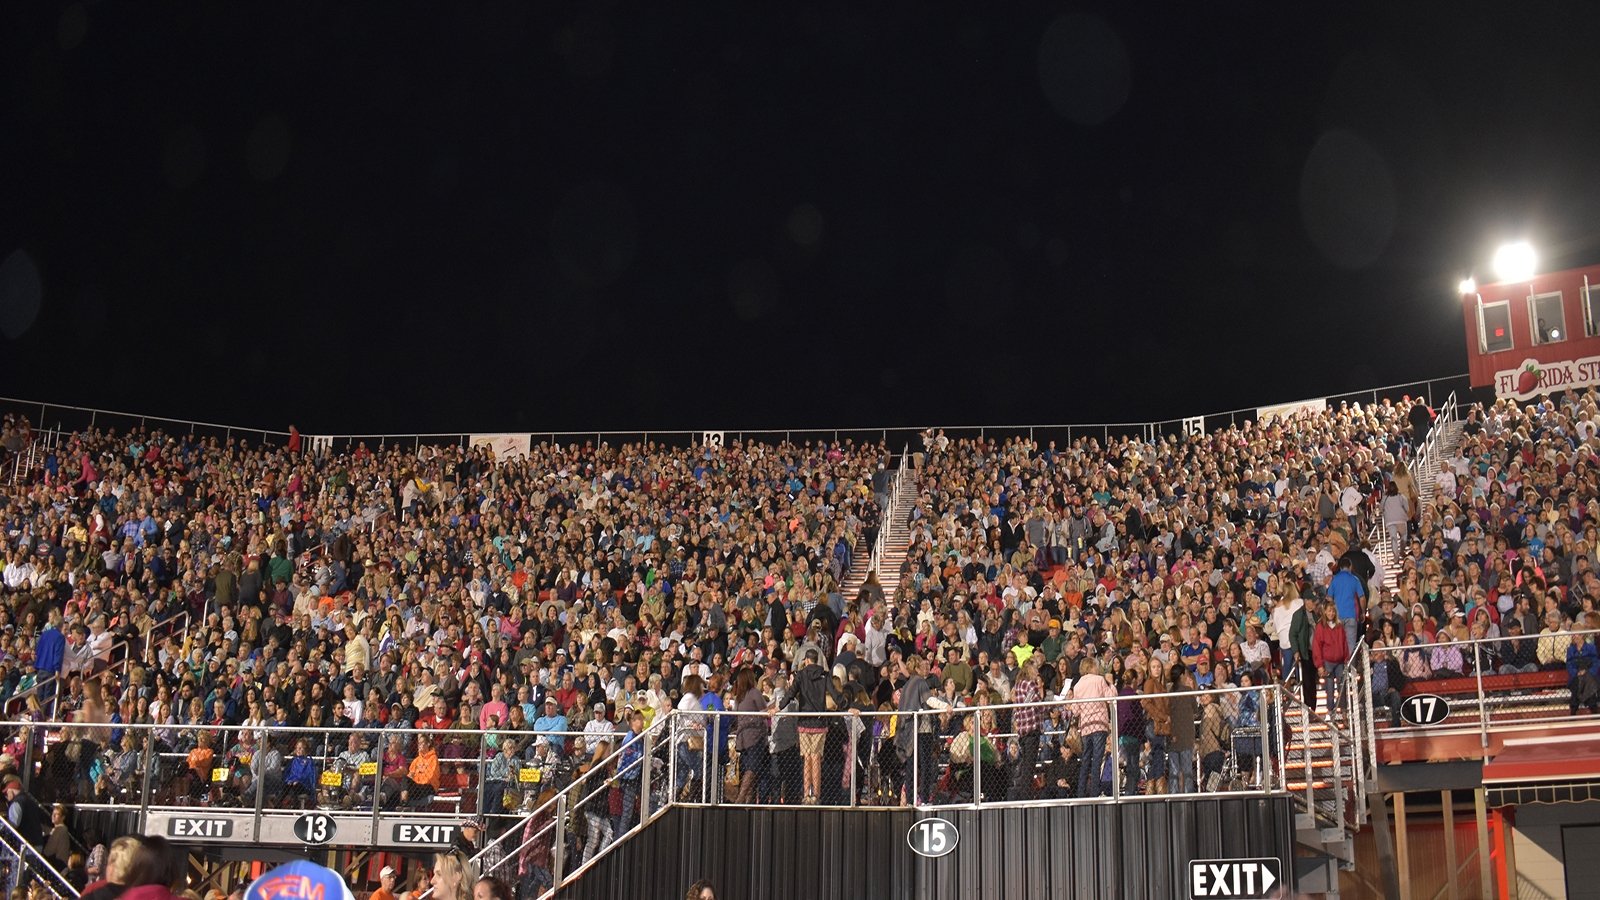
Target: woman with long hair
[(451, 876), (750, 733)]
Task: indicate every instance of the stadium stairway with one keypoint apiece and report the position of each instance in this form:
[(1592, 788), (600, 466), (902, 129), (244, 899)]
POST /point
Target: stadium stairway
[(1443, 440), (1327, 767), (894, 542)]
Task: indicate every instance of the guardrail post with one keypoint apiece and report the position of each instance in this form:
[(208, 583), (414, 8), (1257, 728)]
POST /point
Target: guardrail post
[(851, 760), (1114, 750), (646, 762), (149, 764), (377, 784), (914, 790), (27, 761), (975, 742), (258, 769), (558, 844), (1483, 709)]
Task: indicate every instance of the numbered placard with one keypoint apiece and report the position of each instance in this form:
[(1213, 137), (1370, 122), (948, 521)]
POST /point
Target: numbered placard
[(1424, 709), (315, 828), (933, 837)]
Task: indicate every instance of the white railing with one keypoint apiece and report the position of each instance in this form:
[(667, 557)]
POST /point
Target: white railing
[(1388, 546), (27, 862), (89, 417)]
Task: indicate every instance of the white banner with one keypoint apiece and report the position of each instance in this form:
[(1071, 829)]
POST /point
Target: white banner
[(503, 446), (1535, 379), (1289, 410)]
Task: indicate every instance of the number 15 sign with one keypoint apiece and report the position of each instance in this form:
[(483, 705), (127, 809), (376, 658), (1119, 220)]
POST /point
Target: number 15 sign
[(933, 837)]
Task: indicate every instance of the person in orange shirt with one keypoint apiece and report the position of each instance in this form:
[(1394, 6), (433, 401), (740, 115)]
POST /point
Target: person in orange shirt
[(386, 885), (421, 778), (200, 761)]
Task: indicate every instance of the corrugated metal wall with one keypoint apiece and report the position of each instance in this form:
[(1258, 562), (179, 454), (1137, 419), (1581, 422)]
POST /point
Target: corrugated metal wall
[(1133, 850)]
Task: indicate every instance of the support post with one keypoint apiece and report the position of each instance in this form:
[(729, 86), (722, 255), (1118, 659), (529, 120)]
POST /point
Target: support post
[(377, 782), (1402, 845), (1378, 813), (855, 731), (145, 761), (1447, 800), (1116, 762), (1480, 804)]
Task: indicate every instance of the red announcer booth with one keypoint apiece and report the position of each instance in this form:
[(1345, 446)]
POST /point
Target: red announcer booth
[(1532, 333)]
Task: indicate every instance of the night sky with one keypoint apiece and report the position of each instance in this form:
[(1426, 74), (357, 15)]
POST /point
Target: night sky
[(515, 216)]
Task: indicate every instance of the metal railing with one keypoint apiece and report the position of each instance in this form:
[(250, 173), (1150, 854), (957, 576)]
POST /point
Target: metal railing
[(67, 418), (887, 514), (1472, 676), (118, 657), (1388, 545), (27, 866)]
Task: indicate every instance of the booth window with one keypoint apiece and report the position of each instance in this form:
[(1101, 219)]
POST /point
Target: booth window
[(1591, 315), (1549, 320), (1494, 327)]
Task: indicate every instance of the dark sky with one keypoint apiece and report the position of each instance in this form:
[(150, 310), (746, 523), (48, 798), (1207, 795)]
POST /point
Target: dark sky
[(519, 216)]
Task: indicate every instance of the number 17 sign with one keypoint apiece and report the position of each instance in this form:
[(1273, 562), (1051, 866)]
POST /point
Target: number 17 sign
[(1425, 709)]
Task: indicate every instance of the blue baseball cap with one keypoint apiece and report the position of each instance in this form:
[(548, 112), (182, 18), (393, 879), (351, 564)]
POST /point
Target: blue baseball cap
[(299, 880)]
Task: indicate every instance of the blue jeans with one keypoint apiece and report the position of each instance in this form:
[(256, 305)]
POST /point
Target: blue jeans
[(689, 762), (1333, 685), (1094, 751), (1180, 767)]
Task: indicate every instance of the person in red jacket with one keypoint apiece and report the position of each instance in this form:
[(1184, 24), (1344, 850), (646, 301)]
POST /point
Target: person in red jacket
[(1330, 650)]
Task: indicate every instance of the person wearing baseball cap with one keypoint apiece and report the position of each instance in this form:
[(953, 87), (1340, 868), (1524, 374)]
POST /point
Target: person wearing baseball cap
[(302, 880), (387, 878)]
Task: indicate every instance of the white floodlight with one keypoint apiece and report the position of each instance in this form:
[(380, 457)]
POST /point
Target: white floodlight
[(1515, 261), (1467, 286)]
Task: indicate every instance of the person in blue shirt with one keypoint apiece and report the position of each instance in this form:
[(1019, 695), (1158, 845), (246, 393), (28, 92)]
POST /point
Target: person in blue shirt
[(50, 650), (1583, 660), (1347, 591), (629, 769), (554, 723), (300, 778)]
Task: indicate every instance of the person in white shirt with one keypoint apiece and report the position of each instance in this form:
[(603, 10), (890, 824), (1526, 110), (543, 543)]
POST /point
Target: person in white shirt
[(876, 647), (597, 729), (18, 573), (1282, 617)]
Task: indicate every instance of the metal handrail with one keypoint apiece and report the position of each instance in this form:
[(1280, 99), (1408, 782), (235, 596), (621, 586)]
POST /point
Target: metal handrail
[(17, 700), (56, 883), (146, 419)]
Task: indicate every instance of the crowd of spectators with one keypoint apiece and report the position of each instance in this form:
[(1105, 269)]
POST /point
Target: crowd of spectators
[(584, 590)]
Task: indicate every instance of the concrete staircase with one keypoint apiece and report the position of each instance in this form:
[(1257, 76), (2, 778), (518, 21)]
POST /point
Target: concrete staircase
[(1441, 444), (894, 538)]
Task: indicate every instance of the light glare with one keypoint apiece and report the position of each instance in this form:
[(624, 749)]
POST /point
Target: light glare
[(1467, 286), (1515, 262)]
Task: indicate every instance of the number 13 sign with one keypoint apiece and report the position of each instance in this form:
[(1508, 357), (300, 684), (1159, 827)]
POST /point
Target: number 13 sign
[(933, 837)]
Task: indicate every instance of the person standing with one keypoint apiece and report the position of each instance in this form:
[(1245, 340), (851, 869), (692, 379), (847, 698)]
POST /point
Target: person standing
[(24, 813), (1025, 721), (1331, 649), (1347, 590), (1301, 633), (1184, 712), (1094, 723)]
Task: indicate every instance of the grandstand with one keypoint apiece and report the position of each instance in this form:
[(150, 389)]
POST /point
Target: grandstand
[(573, 656)]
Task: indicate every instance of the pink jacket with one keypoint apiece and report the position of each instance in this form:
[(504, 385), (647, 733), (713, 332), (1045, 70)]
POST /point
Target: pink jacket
[(1093, 717)]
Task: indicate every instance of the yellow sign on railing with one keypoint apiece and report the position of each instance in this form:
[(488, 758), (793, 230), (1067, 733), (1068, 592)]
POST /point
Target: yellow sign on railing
[(528, 776), (220, 773), (367, 768), (332, 779)]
